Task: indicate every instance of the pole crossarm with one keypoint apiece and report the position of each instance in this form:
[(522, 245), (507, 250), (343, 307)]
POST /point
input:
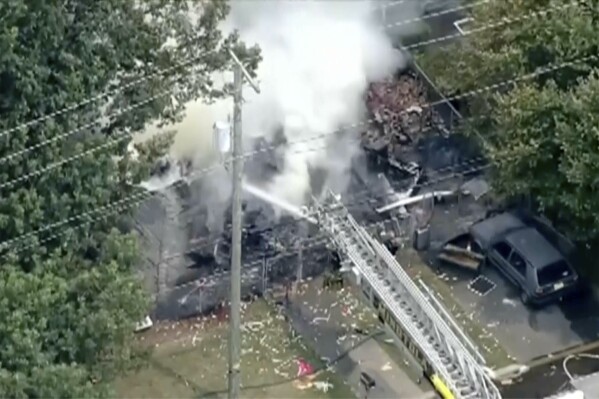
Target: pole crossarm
[(456, 363)]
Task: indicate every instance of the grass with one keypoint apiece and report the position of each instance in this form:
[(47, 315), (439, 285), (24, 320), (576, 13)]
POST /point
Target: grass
[(358, 315), (190, 361), (346, 310), (495, 355)]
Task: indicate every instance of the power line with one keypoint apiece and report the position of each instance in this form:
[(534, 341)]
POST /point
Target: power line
[(122, 205), (390, 4), (144, 195), (538, 72), (435, 14), (503, 22), (124, 135), (98, 121), (314, 241), (191, 60), (104, 94)]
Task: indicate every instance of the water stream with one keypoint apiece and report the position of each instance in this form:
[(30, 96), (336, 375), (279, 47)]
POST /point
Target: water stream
[(277, 202)]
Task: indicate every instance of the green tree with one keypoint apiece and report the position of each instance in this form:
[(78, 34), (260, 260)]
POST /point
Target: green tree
[(69, 295), (541, 133)]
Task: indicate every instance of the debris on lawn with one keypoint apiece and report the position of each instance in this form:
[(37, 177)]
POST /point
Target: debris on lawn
[(271, 357)]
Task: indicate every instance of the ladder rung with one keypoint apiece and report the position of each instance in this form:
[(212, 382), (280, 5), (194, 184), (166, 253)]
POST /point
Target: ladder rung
[(404, 299)]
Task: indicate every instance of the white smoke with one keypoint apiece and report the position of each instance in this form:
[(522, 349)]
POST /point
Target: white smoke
[(318, 58)]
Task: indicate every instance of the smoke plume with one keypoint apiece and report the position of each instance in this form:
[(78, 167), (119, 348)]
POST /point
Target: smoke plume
[(318, 58)]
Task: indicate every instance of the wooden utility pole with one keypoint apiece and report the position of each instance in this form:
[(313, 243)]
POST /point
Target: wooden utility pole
[(300, 265), (237, 223)]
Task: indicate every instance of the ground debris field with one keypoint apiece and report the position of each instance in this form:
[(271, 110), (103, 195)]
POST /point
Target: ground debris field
[(490, 348), (190, 358), (339, 325)]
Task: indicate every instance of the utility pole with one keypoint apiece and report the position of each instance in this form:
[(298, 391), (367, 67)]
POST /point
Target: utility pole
[(237, 223), (300, 265)]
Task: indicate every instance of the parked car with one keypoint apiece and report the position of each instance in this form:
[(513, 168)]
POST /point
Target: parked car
[(519, 251), (525, 257)]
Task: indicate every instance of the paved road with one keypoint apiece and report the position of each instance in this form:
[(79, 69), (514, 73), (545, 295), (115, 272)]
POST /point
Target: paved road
[(330, 338)]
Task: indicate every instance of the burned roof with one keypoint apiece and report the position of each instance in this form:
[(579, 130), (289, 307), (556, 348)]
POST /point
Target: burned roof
[(534, 247)]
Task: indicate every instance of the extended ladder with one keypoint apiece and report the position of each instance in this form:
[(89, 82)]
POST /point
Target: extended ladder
[(453, 362)]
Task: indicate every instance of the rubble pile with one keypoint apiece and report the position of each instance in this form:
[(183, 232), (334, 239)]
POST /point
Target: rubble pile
[(397, 105)]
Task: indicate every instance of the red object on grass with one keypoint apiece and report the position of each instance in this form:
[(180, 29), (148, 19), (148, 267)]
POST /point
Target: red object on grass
[(304, 368)]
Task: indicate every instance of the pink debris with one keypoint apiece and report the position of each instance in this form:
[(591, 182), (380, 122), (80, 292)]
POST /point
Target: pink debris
[(304, 368)]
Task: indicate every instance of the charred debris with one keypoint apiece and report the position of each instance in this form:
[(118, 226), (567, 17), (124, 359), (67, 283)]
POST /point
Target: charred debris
[(398, 146)]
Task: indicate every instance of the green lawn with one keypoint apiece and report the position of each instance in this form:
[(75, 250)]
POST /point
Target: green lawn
[(191, 361)]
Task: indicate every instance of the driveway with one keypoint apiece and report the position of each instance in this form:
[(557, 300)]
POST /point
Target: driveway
[(524, 332)]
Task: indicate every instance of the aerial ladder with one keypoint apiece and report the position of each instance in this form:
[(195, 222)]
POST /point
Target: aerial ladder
[(455, 370)]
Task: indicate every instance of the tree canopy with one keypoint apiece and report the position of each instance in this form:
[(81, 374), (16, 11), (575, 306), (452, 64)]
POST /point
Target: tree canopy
[(68, 290), (541, 133)]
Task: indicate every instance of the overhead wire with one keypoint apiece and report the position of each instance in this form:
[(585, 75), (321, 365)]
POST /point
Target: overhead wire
[(186, 62), (122, 205), (284, 381), (119, 137), (104, 94), (503, 22), (538, 72), (130, 108), (144, 194), (436, 14), (95, 122), (273, 255), (316, 240)]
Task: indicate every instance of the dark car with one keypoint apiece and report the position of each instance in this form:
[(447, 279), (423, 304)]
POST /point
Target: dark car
[(523, 255)]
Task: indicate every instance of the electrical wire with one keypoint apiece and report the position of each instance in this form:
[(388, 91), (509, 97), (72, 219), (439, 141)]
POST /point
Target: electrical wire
[(316, 241), (389, 5), (95, 122), (194, 59), (119, 206), (503, 22), (3, 245), (104, 94), (124, 135), (436, 14), (145, 195)]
